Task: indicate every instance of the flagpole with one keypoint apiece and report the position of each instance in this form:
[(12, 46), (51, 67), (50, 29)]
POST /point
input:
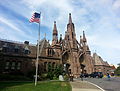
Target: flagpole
[(38, 49)]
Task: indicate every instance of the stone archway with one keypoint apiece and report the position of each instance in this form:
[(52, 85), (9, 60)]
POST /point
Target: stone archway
[(66, 62), (82, 68), (82, 65)]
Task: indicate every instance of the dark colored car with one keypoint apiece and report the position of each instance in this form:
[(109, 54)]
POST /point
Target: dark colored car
[(86, 75), (96, 75)]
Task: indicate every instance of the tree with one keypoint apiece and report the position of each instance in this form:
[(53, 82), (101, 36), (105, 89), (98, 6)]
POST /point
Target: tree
[(118, 64), (54, 72), (117, 71), (50, 73), (58, 70)]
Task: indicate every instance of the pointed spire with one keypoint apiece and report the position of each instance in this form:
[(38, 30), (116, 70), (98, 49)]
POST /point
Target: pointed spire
[(84, 38), (70, 18), (55, 29), (55, 34)]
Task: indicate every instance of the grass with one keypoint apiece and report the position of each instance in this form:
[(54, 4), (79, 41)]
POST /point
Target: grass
[(41, 86)]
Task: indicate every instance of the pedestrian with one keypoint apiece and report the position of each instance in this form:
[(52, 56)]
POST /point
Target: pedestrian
[(71, 77), (81, 76), (108, 76)]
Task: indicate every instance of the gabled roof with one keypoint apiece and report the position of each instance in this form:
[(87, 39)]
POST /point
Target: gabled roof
[(99, 61)]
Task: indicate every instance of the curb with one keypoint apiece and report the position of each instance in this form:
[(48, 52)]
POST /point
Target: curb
[(96, 86)]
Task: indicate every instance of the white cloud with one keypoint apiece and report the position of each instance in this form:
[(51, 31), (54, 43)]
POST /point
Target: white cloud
[(10, 30), (99, 18), (7, 22)]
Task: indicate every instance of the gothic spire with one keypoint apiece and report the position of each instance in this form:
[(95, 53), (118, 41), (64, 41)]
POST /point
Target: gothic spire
[(84, 38), (55, 32), (70, 18)]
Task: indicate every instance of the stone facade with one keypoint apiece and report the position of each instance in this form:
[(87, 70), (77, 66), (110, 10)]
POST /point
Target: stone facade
[(74, 55), (101, 66)]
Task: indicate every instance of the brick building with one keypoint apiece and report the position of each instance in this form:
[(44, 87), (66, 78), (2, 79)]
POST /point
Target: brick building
[(102, 66)]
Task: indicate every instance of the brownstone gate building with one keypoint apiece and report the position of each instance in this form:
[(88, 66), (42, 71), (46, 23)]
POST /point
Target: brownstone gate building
[(73, 54)]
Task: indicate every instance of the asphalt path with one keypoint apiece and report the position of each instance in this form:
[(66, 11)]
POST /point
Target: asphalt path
[(108, 85)]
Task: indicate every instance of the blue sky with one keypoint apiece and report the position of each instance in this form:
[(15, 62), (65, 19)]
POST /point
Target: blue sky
[(100, 19)]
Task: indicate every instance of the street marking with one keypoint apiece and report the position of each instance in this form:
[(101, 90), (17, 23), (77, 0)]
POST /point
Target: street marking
[(96, 86)]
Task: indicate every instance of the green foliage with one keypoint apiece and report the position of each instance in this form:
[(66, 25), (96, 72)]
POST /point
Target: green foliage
[(66, 77), (58, 71), (50, 73), (54, 72), (117, 71)]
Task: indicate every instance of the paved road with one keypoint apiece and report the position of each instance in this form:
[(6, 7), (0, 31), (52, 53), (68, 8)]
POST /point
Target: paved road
[(83, 86), (112, 85)]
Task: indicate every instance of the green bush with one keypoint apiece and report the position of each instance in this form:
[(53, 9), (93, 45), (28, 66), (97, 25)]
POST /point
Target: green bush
[(53, 73), (66, 77), (117, 71)]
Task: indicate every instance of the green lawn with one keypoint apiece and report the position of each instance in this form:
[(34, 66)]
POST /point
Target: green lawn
[(41, 86)]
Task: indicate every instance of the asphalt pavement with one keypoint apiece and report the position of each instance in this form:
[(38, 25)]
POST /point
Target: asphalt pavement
[(108, 85), (84, 86)]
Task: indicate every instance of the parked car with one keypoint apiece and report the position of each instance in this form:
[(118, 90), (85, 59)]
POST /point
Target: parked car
[(96, 75), (86, 75)]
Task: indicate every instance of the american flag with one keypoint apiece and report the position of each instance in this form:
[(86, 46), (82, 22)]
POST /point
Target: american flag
[(35, 17)]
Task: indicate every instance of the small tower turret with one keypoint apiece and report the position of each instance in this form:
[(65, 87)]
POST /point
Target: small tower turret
[(84, 38)]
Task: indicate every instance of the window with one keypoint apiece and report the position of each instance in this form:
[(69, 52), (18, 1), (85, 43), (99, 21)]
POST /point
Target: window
[(18, 65), (5, 47), (7, 65), (45, 65), (50, 52), (53, 66), (13, 66), (26, 52), (16, 50)]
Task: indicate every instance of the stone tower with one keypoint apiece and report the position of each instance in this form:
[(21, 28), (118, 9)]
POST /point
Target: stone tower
[(71, 33), (87, 63), (70, 52)]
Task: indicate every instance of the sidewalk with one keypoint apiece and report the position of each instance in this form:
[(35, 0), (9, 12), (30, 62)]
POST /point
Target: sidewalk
[(84, 86)]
